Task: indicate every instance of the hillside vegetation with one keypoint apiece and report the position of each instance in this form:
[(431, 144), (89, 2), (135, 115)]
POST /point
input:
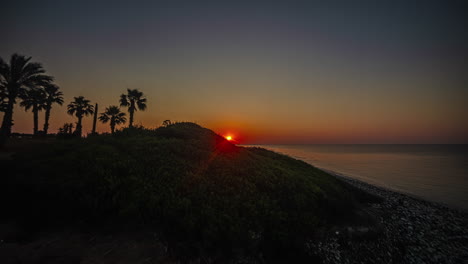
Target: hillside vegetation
[(199, 191)]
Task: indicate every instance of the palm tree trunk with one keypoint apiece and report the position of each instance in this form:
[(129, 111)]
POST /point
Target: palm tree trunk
[(112, 125), (95, 119), (7, 122), (35, 119), (130, 123), (46, 119), (78, 127)]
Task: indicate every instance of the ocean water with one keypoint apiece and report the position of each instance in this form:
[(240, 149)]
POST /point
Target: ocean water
[(433, 172)]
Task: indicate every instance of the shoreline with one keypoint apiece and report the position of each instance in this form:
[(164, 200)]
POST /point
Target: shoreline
[(355, 181), (414, 166), (409, 230)]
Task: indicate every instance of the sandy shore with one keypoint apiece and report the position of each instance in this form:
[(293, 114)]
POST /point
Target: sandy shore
[(408, 230)]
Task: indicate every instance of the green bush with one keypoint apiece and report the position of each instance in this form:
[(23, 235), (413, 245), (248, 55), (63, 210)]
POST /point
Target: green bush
[(200, 191)]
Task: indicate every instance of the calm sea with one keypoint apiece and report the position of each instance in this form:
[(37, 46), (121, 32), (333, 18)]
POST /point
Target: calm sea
[(433, 172)]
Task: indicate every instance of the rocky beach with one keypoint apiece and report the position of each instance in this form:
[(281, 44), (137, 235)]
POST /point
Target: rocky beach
[(405, 229)]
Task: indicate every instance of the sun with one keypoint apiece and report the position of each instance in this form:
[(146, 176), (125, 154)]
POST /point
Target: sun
[(229, 138)]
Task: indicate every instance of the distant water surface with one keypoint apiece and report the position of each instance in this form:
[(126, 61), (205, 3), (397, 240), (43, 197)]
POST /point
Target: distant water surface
[(433, 172)]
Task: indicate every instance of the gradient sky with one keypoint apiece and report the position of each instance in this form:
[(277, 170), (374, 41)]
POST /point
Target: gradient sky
[(264, 71)]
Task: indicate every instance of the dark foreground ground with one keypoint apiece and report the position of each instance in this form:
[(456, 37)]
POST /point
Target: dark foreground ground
[(408, 230)]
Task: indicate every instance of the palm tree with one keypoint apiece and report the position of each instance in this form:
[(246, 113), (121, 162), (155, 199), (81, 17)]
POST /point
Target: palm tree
[(53, 95), (80, 107), (16, 77), (134, 100), (114, 115), (34, 99)]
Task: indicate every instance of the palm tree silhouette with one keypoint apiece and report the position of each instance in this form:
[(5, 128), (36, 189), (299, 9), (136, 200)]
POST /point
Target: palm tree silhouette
[(53, 95), (114, 115), (80, 107), (134, 100), (16, 77), (33, 99)]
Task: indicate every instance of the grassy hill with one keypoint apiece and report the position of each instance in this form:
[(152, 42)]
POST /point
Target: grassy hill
[(199, 191)]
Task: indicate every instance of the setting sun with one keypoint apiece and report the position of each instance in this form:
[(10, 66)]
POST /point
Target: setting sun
[(229, 138)]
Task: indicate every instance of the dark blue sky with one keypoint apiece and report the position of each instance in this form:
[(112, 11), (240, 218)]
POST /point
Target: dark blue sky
[(347, 71)]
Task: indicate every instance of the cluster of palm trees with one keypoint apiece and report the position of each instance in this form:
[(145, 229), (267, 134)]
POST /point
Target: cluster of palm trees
[(81, 107), (41, 98), (21, 79)]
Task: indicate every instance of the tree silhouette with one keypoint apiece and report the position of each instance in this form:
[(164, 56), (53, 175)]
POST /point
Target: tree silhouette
[(53, 95), (114, 116), (80, 107), (66, 131), (33, 99), (134, 100), (16, 77)]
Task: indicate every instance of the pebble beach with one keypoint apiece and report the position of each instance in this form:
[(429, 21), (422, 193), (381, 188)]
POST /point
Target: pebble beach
[(407, 230)]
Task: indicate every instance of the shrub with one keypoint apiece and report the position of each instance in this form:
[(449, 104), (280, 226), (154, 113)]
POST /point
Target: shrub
[(200, 191)]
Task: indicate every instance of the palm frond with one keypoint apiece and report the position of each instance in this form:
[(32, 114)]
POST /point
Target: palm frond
[(17, 63), (53, 94), (35, 97), (4, 69), (104, 118), (141, 104)]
